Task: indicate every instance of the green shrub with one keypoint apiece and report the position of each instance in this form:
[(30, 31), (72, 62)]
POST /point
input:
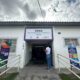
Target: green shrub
[(68, 77), (10, 76)]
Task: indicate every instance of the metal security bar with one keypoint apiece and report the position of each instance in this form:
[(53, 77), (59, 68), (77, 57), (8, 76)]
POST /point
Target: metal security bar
[(62, 61)]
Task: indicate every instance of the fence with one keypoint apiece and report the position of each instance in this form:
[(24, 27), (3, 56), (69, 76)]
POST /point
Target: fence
[(13, 61), (62, 61)]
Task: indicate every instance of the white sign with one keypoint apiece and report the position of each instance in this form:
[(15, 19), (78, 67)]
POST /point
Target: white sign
[(38, 33)]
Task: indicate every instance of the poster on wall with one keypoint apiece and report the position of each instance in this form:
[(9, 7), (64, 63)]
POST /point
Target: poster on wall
[(4, 51), (73, 55)]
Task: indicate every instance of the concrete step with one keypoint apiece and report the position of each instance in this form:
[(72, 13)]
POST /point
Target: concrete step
[(37, 73), (38, 77)]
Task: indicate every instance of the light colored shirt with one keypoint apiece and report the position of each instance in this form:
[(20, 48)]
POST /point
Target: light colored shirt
[(48, 50)]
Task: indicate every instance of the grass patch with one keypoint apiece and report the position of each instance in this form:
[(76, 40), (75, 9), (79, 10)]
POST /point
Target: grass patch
[(10, 76), (68, 77)]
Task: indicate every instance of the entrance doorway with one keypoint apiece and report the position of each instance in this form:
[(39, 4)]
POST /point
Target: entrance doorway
[(38, 54), (35, 52)]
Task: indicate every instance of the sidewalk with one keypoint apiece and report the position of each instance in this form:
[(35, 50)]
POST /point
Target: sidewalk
[(37, 73)]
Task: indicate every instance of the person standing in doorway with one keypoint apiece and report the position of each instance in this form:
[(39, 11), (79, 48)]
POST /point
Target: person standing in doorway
[(48, 56)]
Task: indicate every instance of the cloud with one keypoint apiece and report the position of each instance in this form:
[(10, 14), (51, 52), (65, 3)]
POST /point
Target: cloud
[(30, 14), (33, 11), (30, 9), (71, 1), (45, 3), (43, 13), (10, 7)]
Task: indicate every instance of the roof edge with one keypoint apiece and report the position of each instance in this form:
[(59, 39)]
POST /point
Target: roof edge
[(33, 23)]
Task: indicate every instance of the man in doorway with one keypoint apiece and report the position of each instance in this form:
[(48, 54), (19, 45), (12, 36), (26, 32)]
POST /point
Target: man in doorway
[(48, 56)]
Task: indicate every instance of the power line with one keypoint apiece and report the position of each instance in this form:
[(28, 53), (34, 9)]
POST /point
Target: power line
[(40, 8)]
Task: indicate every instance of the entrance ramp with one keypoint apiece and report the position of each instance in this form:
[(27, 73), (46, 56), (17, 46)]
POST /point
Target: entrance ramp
[(38, 72)]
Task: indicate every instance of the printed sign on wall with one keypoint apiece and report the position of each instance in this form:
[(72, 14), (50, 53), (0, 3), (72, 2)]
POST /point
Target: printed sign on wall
[(38, 33), (4, 52), (73, 55)]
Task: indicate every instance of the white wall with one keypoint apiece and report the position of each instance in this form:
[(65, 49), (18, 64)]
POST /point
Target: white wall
[(27, 53), (18, 33), (22, 47), (59, 46)]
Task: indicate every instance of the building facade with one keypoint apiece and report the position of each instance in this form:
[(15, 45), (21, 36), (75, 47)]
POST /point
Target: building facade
[(30, 37)]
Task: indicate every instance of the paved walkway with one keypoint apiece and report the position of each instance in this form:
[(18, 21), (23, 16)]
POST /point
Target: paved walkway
[(37, 72)]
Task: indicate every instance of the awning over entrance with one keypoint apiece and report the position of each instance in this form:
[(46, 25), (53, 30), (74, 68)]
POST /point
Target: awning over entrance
[(39, 42)]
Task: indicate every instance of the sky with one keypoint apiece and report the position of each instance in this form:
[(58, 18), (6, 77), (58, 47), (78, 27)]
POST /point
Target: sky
[(40, 10)]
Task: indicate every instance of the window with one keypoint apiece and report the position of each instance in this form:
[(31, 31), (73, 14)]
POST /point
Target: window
[(12, 43), (71, 41)]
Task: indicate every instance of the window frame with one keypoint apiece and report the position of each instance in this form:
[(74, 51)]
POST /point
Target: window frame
[(78, 44)]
